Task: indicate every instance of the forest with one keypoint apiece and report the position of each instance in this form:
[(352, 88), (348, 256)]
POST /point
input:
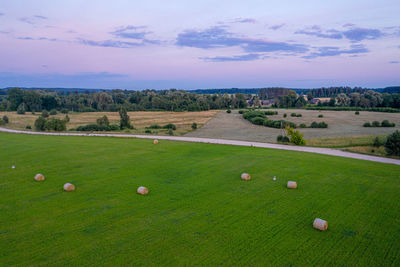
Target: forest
[(18, 99)]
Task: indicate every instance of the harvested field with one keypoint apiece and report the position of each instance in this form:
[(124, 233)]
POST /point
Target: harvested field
[(139, 119), (341, 123)]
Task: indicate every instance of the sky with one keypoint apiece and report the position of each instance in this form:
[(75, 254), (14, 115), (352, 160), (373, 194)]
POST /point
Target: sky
[(181, 44)]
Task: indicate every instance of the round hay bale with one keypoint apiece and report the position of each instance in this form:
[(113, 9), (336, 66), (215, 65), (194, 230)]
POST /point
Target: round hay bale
[(320, 224), (69, 187), (142, 190), (155, 142), (245, 176), (39, 177), (291, 184)]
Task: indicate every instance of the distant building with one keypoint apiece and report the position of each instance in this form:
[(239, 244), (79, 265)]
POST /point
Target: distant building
[(267, 102), (314, 101)]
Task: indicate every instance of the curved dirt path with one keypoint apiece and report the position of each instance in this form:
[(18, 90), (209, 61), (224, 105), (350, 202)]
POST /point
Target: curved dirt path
[(318, 150)]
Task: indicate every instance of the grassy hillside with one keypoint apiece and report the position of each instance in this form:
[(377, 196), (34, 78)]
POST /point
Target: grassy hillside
[(198, 210)]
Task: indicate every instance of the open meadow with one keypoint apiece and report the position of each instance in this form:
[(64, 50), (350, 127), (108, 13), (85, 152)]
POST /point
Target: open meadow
[(198, 210), (139, 119)]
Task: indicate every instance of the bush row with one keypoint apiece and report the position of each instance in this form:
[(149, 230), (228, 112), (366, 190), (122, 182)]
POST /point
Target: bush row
[(268, 112), (259, 118), (168, 126), (390, 110), (314, 124), (384, 123), (97, 127)]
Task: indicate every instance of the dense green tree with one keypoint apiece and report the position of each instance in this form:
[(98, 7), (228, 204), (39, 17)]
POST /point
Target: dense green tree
[(40, 123), (125, 120), (32, 100), (15, 96), (343, 100), (21, 108), (392, 144)]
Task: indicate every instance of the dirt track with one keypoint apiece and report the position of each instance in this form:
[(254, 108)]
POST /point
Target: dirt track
[(325, 151)]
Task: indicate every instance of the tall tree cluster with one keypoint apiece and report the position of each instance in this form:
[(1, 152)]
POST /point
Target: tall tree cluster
[(114, 100)]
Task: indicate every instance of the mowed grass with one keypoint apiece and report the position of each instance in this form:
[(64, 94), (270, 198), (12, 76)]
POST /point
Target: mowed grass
[(139, 119), (345, 141), (198, 211)]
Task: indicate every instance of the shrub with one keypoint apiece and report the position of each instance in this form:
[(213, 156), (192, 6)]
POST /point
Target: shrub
[(320, 116), (282, 139), (295, 137), (2, 122), (66, 118), (376, 124), (113, 127), (170, 126), (279, 124), (386, 123), (5, 119), (258, 120), (303, 125), (64, 111), (357, 112), (45, 114), (53, 112), (28, 127), (253, 113), (155, 126), (322, 125), (242, 111), (293, 115), (33, 112), (392, 144), (270, 112), (228, 111), (194, 126), (367, 124), (103, 121), (170, 132), (40, 123), (299, 115), (285, 115), (378, 142), (55, 124), (21, 109), (148, 131)]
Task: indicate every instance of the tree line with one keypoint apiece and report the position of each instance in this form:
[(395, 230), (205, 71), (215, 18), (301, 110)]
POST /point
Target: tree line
[(365, 99), (114, 100)]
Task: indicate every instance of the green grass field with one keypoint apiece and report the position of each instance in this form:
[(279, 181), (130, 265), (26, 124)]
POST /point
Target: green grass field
[(198, 211)]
